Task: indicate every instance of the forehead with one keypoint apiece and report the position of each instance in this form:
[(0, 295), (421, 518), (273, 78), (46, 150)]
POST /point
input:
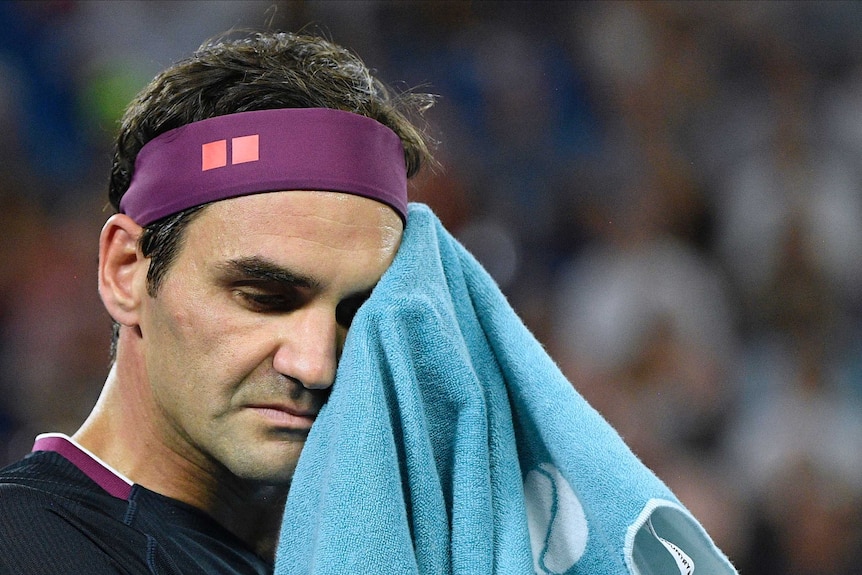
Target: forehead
[(327, 222)]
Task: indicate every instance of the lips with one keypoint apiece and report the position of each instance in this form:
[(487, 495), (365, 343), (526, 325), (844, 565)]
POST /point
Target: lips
[(285, 416)]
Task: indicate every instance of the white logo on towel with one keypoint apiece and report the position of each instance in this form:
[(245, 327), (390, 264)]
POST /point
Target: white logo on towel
[(683, 561), (556, 519)]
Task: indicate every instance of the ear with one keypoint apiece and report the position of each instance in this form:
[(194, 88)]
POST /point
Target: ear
[(122, 269)]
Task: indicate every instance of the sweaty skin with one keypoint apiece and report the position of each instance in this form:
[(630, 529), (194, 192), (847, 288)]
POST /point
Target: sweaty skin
[(220, 375)]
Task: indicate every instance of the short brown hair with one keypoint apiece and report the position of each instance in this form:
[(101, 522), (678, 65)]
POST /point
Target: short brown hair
[(258, 71)]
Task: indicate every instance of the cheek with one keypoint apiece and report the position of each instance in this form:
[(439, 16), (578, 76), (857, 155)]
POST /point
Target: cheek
[(180, 338), (188, 314), (194, 324), (210, 342)]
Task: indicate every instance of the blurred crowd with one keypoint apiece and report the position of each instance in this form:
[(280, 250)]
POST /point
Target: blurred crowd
[(668, 192)]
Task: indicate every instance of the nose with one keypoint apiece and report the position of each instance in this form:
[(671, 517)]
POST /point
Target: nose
[(308, 347)]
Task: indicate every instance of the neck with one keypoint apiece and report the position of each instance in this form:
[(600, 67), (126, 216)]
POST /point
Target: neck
[(119, 432)]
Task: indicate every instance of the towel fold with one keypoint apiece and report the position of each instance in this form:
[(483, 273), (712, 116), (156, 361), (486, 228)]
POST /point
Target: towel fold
[(452, 444)]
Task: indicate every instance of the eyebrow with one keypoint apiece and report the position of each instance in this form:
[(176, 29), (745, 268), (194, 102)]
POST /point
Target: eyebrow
[(260, 269)]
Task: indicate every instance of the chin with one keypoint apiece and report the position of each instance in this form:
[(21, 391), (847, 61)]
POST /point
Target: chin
[(258, 459), (267, 470)]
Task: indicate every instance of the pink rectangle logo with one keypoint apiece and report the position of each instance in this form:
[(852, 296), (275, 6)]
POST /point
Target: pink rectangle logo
[(244, 149), (213, 155)]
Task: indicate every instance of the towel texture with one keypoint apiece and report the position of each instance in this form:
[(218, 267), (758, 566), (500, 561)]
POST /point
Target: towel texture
[(452, 444)]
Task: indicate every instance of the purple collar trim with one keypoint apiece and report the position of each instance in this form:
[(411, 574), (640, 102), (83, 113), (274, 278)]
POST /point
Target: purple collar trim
[(94, 468), (316, 149)]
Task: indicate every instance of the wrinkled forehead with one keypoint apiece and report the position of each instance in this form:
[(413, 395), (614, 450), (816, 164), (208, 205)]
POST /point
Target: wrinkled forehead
[(307, 149), (322, 234)]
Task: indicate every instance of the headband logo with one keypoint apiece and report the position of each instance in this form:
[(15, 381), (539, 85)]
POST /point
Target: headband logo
[(278, 149), (243, 149)]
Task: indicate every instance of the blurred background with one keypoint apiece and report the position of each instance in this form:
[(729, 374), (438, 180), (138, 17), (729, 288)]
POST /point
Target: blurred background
[(668, 193)]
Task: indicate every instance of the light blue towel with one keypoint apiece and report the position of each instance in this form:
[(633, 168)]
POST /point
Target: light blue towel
[(452, 444)]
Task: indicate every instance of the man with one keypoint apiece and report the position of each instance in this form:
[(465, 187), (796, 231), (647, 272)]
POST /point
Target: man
[(260, 187)]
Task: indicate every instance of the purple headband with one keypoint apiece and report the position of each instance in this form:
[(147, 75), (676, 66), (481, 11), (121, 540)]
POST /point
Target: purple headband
[(247, 153)]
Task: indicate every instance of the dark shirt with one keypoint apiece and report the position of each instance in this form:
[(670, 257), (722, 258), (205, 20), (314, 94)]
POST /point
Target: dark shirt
[(59, 517)]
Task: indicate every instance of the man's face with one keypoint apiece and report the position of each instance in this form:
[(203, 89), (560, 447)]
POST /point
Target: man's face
[(240, 344)]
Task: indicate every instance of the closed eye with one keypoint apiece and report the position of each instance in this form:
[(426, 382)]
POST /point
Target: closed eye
[(347, 308), (264, 301), (264, 287)]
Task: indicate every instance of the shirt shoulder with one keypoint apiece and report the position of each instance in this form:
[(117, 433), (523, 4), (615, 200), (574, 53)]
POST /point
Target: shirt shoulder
[(52, 522), (53, 516)]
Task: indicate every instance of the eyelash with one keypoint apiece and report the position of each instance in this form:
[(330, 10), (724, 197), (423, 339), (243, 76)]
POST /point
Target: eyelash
[(265, 302)]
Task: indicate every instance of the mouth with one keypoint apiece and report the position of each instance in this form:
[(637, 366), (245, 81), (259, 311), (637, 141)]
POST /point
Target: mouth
[(285, 417)]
